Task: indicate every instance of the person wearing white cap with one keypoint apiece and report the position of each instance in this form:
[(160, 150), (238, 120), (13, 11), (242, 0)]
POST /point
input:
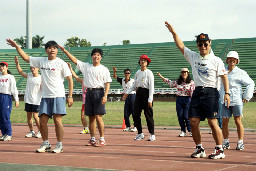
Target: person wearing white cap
[(206, 69), (237, 78), (185, 87)]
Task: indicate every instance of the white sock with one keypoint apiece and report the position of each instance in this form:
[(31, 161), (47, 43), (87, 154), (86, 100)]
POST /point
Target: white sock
[(219, 146), (60, 143), (240, 141), (86, 128), (93, 138), (46, 142), (101, 138), (226, 140), (199, 145)]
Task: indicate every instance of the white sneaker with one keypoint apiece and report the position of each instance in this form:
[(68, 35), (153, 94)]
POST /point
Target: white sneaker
[(2, 137), (182, 134), (139, 136), (152, 137), (7, 138), (190, 134), (43, 148), (58, 149), (38, 135), (30, 134), (127, 129), (134, 129)]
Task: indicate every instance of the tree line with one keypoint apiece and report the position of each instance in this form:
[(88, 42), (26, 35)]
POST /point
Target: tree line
[(37, 42)]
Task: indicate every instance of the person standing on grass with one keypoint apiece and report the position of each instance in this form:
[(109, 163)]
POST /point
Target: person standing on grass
[(53, 72), (206, 69), (96, 78), (144, 86), (185, 87), (237, 78), (84, 89), (7, 88), (126, 83), (32, 97)]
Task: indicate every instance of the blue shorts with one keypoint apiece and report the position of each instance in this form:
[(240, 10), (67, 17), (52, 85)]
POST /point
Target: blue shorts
[(51, 106), (235, 110), (31, 108), (93, 104), (204, 103)]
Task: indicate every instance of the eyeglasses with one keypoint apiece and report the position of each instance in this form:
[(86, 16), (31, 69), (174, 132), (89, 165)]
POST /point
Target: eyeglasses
[(202, 44), (127, 73)]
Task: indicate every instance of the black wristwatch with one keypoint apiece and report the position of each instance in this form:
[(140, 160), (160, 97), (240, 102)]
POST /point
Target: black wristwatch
[(228, 93)]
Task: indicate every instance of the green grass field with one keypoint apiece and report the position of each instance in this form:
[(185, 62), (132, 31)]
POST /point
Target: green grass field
[(164, 114)]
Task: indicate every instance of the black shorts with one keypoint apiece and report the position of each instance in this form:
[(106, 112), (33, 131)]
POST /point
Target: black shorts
[(204, 103), (31, 108), (93, 104)]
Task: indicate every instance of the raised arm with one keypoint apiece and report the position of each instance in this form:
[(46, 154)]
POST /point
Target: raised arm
[(25, 75), (160, 76), (69, 55), (22, 54), (179, 43), (78, 79), (114, 74)]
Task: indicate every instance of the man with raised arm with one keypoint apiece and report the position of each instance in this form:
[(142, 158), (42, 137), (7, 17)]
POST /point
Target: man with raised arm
[(206, 68)]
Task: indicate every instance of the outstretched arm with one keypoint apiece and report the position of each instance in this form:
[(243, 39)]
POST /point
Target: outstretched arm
[(22, 54), (78, 79), (69, 55), (160, 76), (179, 43), (114, 74), (25, 75)]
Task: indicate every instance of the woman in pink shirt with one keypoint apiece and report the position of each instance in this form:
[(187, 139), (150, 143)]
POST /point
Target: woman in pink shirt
[(185, 87)]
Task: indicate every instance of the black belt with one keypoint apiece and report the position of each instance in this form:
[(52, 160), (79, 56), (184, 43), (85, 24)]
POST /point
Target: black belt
[(202, 87), (91, 89)]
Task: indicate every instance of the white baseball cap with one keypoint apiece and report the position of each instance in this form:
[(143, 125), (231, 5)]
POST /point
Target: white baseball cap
[(233, 54), (184, 70)]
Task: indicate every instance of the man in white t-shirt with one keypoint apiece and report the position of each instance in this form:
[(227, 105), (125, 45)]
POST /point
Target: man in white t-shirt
[(32, 98), (96, 78), (206, 69), (53, 72)]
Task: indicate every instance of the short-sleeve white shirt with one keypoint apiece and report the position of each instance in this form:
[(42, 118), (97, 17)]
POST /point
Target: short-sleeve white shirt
[(33, 92), (205, 70), (94, 76), (53, 73)]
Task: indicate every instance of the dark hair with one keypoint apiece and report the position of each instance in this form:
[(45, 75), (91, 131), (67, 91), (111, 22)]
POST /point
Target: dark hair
[(51, 43), (127, 70), (8, 71), (95, 50), (180, 79)]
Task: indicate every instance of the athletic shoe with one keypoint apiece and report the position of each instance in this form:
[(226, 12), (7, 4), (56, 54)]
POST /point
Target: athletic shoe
[(190, 134), (217, 154), (210, 132), (182, 134), (38, 135), (91, 143), (240, 146), (2, 137), (58, 149), (152, 137), (139, 136), (101, 143), (225, 145), (43, 148), (199, 152), (127, 129), (134, 129), (85, 131), (7, 138), (30, 134)]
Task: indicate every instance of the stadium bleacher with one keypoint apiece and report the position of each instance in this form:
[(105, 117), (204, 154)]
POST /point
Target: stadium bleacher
[(166, 58)]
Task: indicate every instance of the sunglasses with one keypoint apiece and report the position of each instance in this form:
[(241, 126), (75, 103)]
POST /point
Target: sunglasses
[(202, 44), (127, 73)]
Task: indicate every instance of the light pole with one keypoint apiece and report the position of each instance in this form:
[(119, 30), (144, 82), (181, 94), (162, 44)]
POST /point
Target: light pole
[(28, 27)]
